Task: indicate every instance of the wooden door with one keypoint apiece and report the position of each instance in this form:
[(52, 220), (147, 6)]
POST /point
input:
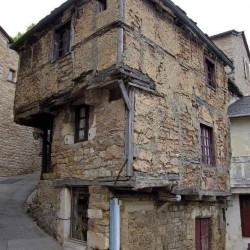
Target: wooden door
[(202, 233)]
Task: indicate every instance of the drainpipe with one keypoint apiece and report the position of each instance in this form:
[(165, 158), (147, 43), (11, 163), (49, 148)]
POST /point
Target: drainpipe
[(120, 35), (114, 225)]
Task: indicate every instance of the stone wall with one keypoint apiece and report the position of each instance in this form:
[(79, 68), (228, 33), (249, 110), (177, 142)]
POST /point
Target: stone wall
[(167, 123), (103, 154), (93, 49), (52, 209), (233, 46), (147, 224), (19, 152)]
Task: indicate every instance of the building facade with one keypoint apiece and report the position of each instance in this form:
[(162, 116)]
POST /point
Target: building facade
[(234, 44), (132, 100), (19, 151)]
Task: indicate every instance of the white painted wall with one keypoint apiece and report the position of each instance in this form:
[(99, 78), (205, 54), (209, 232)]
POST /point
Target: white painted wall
[(233, 236), (240, 136)]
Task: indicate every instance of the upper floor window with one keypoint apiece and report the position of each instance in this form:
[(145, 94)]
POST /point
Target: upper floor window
[(11, 75), (62, 41), (210, 72), (101, 5), (246, 69), (207, 145), (81, 123)]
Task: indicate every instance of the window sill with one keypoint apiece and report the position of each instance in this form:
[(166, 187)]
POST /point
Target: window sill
[(59, 59), (11, 81), (212, 88)]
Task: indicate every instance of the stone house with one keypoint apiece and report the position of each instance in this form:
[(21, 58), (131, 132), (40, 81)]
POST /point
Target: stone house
[(19, 150), (234, 44), (132, 100)]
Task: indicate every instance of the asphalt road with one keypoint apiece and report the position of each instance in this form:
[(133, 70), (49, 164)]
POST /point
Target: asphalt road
[(17, 230)]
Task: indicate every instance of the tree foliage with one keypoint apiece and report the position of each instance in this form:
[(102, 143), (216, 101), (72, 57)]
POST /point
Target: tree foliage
[(19, 34)]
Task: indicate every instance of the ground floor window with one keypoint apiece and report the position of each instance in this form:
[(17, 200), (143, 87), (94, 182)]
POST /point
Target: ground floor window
[(245, 215), (202, 234), (79, 218)]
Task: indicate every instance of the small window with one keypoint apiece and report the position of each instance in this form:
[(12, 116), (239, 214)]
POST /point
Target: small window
[(62, 41), (210, 72), (245, 215), (207, 145), (115, 94), (81, 123), (246, 69), (101, 5), (202, 234), (79, 216), (11, 75)]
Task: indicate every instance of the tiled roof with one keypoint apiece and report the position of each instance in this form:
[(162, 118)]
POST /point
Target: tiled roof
[(240, 108)]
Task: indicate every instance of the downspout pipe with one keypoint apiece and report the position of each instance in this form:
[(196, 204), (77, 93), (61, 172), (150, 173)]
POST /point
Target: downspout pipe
[(115, 225)]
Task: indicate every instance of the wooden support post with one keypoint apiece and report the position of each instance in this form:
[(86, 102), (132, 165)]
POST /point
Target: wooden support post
[(130, 134), (125, 94)]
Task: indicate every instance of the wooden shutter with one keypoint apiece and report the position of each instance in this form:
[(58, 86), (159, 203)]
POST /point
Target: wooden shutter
[(245, 215)]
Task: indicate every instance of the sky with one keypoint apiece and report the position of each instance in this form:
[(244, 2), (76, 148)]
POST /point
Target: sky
[(212, 16)]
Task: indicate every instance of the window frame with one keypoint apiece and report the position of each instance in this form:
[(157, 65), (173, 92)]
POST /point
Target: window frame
[(62, 40), (246, 69), (101, 5), (78, 118), (207, 145), (13, 73), (208, 61), (244, 203)]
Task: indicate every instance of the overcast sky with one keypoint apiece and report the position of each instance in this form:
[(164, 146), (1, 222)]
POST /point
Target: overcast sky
[(212, 16)]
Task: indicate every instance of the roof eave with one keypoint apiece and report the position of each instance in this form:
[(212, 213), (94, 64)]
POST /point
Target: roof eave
[(40, 24), (6, 34), (198, 32), (239, 115)]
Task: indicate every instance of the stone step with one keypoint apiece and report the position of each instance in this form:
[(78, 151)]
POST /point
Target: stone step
[(73, 245)]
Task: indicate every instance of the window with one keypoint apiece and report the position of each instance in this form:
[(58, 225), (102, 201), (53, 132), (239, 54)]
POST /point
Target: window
[(11, 75), (245, 215), (101, 5), (81, 123), (210, 72), (246, 69), (202, 233), (79, 216), (62, 41), (207, 145)]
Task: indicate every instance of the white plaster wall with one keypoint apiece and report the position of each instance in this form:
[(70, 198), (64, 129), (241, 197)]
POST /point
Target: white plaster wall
[(240, 136), (234, 239), (233, 236)]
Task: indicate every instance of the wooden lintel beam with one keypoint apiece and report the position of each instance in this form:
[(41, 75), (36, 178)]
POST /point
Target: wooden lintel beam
[(209, 198), (193, 197)]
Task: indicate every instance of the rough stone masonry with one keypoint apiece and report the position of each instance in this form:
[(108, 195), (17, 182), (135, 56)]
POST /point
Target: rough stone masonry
[(19, 152), (139, 66)]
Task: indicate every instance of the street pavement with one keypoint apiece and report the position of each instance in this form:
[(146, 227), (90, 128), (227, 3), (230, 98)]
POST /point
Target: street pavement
[(17, 230)]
